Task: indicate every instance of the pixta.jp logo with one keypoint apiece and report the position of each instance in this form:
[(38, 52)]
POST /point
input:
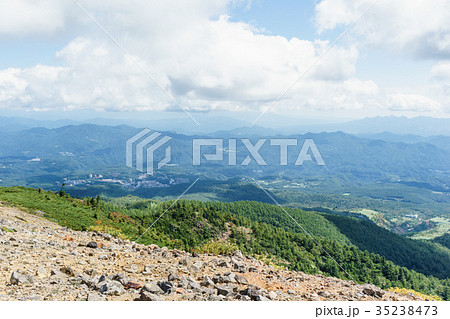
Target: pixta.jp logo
[(253, 150), (143, 145)]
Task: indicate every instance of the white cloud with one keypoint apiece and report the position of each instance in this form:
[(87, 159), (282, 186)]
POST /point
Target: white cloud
[(441, 71), (412, 102), (192, 49), (28, 17), (417, 27)]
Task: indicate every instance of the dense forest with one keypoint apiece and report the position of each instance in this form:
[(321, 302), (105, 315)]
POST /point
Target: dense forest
[(257, 229)]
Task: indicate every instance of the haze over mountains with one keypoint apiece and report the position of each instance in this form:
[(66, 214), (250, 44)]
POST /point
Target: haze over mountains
[(385, 172), (397, 181), (419, 126)]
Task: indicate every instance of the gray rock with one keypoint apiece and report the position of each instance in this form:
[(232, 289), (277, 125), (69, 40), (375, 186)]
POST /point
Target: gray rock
[(148, 269), (370, 291), (92, 244), (20, 277), (261, 298), (183, 283), (153, 288), (122, 278), (241, 280), (272, 295), (217, 278), (166, 286), (252, 292), (92, 296), (31, 298), (107, 236), (148, 296), (56, 273), (132, 269), (224, 263), (207, 281), (67, 271), (41, 272), (210, 291), (228, 278), (225, 290), (88, 280), (193, 284), (324, 294), (238, 265), (111, 287), (173, 277), (238, 254), (186, 261), (91, 272), (216, 297)]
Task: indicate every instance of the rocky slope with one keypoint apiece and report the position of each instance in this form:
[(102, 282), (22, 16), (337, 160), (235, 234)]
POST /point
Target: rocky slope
[(40, 260)]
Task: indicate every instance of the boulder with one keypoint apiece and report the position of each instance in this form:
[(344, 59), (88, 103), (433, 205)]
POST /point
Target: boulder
[(185, 261), (148, 296), (67, 271), (89, 281), (192, 284), (373, 292), (92, 296), (228, 278), (111, 288), (41, 272), (173, 277), (261, 298), (166, 286), (132, 269), (252, 292), (241, 279), (122, 278), (238, 254), (152, 287), (224, 263), (207, 281), (22, 278), (238, 264), (272, 295), (92, 244), (225, 290)]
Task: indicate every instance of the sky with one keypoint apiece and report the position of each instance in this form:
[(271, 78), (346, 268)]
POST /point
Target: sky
[(241, 58)]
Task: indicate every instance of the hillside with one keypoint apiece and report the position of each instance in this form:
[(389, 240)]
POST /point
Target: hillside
[(395, 177), (91, 147), (199, 227), (424, 257), (41, 260)]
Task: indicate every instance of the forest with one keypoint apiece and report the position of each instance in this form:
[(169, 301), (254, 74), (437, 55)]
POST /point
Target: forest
[(257, 229)]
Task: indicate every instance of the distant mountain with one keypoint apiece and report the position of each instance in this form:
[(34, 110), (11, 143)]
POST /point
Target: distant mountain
[(246, 132), (185, 125), (17, 124), (348, 158), (423, 126), (440, 141)]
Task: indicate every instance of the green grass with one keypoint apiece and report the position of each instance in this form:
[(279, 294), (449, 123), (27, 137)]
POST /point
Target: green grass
[(255, 228), (68, 212)]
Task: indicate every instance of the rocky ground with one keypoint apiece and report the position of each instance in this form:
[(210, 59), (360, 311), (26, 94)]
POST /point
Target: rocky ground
[(40, 260)]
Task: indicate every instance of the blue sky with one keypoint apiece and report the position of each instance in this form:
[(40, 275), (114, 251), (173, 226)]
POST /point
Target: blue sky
[(225, 56)]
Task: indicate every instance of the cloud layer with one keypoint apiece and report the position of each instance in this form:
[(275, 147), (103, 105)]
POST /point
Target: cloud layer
[(206, 61)]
